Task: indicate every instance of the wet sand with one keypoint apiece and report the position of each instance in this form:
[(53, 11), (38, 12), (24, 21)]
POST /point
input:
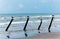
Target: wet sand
[(44, 36)]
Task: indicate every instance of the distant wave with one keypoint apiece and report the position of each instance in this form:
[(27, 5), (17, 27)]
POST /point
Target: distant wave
[(17, 22), (57, 20), (3, 18)]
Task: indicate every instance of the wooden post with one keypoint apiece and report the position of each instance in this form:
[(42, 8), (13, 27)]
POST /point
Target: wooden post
[(9, 24), (50, 23), (39, 26), (26, 26)]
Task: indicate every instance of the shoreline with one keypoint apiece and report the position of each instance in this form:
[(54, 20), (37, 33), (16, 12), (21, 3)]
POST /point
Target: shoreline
[(53, 35)]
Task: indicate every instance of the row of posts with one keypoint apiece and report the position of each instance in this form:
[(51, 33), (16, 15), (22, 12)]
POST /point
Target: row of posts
[(24, 29)]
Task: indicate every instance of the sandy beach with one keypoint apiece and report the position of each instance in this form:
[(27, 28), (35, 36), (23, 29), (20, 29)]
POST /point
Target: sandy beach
[(44, 36)]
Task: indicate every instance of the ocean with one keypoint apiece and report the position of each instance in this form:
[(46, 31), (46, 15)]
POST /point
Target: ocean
[(16, 28)]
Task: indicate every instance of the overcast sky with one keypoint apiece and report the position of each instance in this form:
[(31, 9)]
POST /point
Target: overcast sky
[(29, 6)]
